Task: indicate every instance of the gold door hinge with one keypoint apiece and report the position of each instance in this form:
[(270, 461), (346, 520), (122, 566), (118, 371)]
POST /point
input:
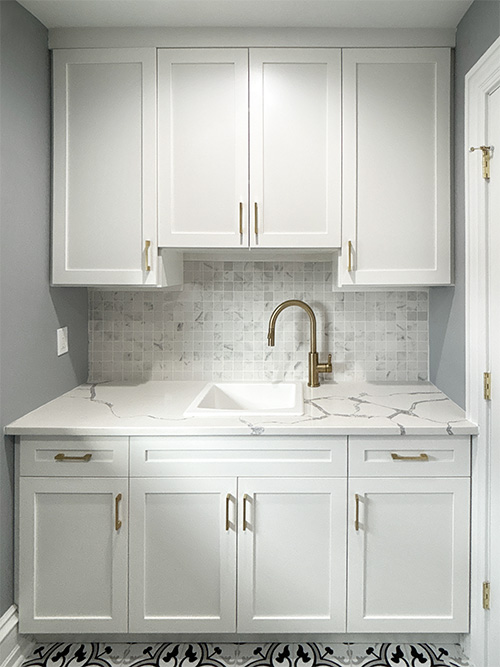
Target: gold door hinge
[(486, 159), (486, 594), (487, 386)]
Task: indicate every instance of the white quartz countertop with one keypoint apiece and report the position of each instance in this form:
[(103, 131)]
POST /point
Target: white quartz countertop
[(157, 408)]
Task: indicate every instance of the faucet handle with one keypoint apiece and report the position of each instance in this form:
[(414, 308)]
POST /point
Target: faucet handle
[(326, 368)]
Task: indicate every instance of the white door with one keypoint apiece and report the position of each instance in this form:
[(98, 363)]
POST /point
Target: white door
[(408, 546), (183, 555), (493, 208), (72, 555), (104, 195), (482, 200), (203, 147), (291, 555), (396, 167), (295, 144)]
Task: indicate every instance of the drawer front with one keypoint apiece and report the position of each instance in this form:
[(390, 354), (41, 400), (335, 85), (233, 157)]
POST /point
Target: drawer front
[(407, 456), (73, 457), (300, 456)]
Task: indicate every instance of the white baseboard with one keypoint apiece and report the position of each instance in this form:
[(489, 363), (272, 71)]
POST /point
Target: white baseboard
[(13, 647)]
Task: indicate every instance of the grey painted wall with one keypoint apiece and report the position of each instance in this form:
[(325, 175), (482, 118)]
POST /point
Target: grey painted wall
[(30, 311), (478, 29)]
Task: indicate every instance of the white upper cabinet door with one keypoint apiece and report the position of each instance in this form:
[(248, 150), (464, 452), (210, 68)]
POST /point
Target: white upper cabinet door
[(408, 555), (295, 148), (203, 147), (291, 555), (183, 555), (396, 167), (73, 555), (104, 201)]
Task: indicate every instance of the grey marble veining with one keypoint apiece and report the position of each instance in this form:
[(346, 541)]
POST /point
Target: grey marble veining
[(158, 407), (216, 327)]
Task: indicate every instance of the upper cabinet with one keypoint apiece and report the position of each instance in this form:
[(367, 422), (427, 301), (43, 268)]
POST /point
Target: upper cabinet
[(295, 148), (396, 167), (283, 148), (202, 147), (269, 178), (104, 197)]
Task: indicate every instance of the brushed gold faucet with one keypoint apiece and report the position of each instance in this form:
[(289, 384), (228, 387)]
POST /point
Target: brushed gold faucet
[(314, 366)]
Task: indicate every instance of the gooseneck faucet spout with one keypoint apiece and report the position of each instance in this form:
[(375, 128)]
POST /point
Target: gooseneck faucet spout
[(314, 366)]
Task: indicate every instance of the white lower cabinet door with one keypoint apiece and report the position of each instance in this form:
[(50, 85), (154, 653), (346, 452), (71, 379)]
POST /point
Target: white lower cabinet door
[(183, 555), (73, 555), (291, 555), (408, 555)]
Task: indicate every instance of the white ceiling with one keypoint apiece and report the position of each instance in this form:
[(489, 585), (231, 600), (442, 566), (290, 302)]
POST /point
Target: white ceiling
[(249, 13)]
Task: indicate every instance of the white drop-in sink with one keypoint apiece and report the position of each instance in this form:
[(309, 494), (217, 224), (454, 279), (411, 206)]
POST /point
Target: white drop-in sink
[(248, 398)]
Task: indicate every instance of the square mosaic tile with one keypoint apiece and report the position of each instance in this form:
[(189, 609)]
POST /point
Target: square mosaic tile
[(216, 327)]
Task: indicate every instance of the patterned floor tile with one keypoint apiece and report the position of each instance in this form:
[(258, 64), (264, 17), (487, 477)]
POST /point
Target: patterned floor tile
[(173, 654), (407, 655), (296, 655)]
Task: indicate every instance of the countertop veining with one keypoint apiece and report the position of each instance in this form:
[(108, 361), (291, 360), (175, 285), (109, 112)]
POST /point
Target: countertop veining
[(157, 407)]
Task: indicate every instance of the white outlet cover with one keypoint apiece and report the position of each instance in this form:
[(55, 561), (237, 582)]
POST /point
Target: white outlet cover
[(62, 341)]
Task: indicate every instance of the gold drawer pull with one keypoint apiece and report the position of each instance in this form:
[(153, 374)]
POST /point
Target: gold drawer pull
[(148, 246), (356, 520), (228, 498), (349, 267), (246, 498), (420, 457), (118, 523), (65, 457)]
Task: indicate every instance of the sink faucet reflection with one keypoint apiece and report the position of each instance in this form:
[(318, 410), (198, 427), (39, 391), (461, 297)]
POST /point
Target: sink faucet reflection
[(314, 366)]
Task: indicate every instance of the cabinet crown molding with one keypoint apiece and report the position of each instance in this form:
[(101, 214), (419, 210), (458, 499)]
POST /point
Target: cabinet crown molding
[(76, 38)]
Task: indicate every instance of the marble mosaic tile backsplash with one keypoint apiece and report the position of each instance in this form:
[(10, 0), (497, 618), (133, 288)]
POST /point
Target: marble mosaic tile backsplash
[(216, 327)]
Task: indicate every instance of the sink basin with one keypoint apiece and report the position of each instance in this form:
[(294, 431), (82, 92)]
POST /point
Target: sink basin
[(248, 398)]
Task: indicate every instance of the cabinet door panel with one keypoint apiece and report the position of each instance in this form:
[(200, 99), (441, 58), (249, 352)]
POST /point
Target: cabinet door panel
[(203, 147), (396, 200), (409, 558), (104, 166), (291, 555), (73, 561), (295, 147), (182, 558)]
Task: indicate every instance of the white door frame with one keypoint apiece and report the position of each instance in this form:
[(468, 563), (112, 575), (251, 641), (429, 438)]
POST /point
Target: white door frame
[(480, 81)]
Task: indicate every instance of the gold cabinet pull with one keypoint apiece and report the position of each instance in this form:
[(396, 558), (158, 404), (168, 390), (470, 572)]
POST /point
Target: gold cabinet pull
[(65, 457), (118, 523), (356, 519), (349, 266), (146, 250), (228, 498), (256, 216), (420, 457), (241, 219), (246, 498)]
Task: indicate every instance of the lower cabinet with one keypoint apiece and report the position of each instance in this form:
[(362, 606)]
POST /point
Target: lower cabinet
[(72, 555), (227, 554), (182, 555), (408, 555), (239, 534)]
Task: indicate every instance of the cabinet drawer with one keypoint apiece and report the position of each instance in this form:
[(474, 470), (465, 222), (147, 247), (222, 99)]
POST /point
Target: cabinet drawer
[(241, 455), (387, 456), (73, 457)]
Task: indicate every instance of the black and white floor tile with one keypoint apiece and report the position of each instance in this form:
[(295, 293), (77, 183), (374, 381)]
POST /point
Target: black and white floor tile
[(173, 654)]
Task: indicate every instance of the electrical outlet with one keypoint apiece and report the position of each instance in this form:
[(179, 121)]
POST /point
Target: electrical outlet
[(62, 341)]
